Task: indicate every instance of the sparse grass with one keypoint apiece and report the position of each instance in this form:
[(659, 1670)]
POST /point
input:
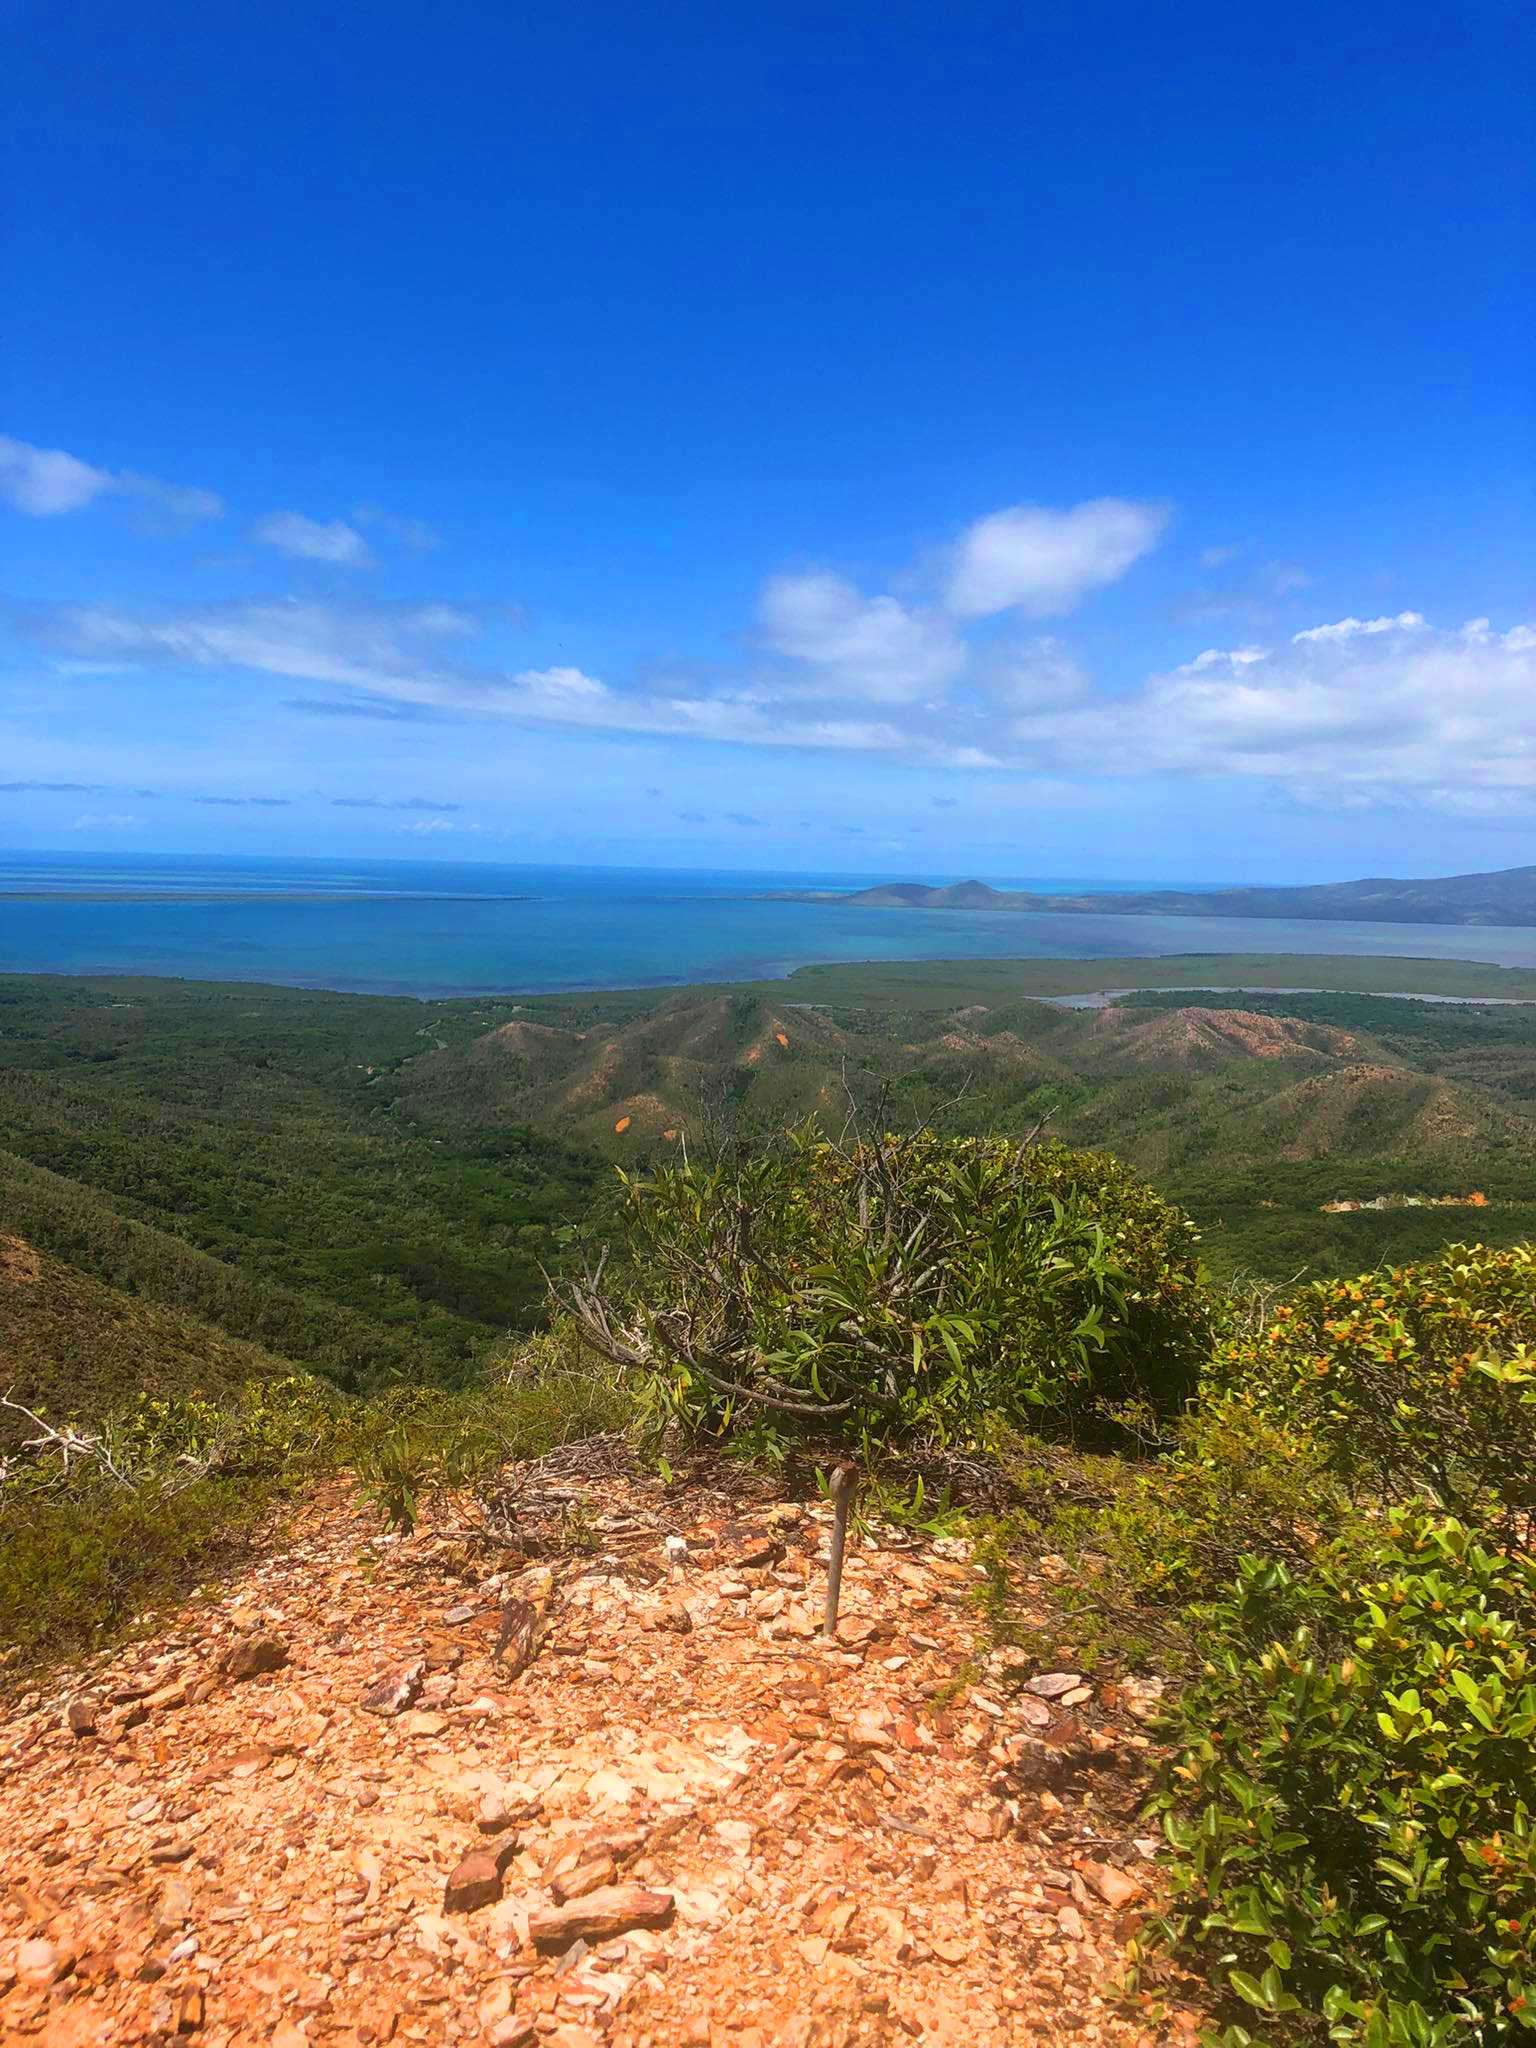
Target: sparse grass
[(89, 1546), (76, 1574)]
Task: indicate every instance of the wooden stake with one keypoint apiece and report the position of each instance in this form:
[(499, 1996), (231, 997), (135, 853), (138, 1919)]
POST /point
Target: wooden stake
[(841, 1482)]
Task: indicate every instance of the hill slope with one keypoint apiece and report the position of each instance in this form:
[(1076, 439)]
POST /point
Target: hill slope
[(73, 1346)]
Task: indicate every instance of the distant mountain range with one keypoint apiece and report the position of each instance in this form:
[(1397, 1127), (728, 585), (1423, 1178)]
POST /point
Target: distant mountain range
[(1506, 897)]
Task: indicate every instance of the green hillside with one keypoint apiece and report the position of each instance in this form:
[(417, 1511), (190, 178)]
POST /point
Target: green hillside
[(235, 1153), (373, 1187), (70, 1344)]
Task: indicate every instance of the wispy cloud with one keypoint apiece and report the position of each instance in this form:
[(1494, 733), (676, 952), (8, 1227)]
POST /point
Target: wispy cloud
[(872, 647), (382, 803), (1372, 704), (390, 527), (314, 540), (1043, 562), (238, 803), (46, 483), (427, 828), (1350, 629), (51, 788)]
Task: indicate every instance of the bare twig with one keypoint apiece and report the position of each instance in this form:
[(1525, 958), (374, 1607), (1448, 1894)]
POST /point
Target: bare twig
[(69, 1443)]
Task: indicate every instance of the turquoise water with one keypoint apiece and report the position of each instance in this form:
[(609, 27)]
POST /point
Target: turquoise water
[(431, 928)]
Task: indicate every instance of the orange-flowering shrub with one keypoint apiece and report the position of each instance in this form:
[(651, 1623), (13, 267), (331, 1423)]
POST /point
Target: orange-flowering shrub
[(1420, 1381)]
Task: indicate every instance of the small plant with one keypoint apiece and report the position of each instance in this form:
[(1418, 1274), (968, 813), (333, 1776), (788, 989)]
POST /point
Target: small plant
[(416, 1446)]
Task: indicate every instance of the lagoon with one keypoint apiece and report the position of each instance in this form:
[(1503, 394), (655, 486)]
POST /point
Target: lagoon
[(437, 928)]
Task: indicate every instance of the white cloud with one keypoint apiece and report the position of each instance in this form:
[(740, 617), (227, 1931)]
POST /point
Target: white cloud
[(314, 540), (1381, 711), (1218, 557), (1376, 709), (44, 482), (1045, 562), (1347, 629), (1228, 657), (104, 821), (865, 647), (401, 655)]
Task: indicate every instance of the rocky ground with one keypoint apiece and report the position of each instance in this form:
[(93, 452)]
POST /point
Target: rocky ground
[(324, 1804)]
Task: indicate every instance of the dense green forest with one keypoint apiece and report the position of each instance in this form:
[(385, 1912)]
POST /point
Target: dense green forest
[(235, 1154), (374, 1186)]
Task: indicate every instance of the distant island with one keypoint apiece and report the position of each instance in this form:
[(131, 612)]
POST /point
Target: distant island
[(1505, 897)]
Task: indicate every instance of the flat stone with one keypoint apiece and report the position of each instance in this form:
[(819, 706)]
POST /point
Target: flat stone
[(1114, 1887), (869, 1730), (38, 1964), (420, 1722), (492, 1814), (600, 1916), (175, 1904), (1050, 1685), (584, 1878), (173, 1695), (474, 1883)]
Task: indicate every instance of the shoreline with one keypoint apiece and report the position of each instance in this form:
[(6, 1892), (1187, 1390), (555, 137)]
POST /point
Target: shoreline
[(1076, 982)]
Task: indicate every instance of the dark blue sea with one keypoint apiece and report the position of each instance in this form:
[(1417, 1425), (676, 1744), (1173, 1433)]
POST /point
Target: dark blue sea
[(435, 928)]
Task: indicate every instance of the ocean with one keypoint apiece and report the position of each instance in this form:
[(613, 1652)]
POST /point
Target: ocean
[(437, 928)]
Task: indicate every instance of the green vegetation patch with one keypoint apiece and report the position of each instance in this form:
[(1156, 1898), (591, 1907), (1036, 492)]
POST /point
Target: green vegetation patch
[(910, 1289)]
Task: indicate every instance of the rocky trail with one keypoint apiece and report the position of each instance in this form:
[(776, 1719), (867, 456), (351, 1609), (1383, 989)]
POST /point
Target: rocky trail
[(324, 1805)]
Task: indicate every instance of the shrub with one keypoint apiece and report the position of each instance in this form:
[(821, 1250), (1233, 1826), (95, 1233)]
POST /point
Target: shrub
[(1417, 1381), (916, 1286), (1352, 1788), (1138, 1543)]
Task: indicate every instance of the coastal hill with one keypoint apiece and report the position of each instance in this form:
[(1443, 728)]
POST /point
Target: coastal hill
[(1505, 897)]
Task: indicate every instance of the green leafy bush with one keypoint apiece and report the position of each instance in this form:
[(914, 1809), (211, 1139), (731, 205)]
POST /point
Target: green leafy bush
[(912, 1286), (1352, 1790), (78, 1568), (1418, 1381)]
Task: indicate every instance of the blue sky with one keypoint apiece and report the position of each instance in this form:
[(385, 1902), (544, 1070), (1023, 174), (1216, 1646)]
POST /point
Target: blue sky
[(895, 438)]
